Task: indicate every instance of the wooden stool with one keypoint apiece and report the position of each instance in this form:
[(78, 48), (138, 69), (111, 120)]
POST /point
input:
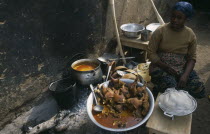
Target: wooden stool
[(158, 123)]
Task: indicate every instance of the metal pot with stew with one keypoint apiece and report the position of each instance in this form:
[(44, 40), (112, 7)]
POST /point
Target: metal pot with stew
[(87, 71)]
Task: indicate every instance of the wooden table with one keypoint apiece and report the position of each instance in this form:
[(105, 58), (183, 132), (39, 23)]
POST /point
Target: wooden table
[(134, 42), (160, 124)]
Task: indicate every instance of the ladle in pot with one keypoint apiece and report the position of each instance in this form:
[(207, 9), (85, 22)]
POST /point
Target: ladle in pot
[(126, 58), (109, 69), (97, 107), (102, 59)]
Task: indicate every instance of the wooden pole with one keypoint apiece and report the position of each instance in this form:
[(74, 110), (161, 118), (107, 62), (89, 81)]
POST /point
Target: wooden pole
[(161, 21), (116, 30)]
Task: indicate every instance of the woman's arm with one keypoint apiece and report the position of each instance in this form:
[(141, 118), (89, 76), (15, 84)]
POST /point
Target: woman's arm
[(166, 68), (189, 67), (190, 63), (153, 46)]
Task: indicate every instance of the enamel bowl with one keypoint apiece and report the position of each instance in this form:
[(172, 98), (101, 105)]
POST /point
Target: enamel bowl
[(90, 104)]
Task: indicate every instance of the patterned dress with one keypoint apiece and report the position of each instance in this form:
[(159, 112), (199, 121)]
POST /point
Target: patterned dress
[(162, 80)]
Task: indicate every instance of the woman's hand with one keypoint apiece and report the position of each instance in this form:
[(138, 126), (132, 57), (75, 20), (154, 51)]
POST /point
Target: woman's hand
[(189, 67), (166, 68), (171, 71), (183, 81)]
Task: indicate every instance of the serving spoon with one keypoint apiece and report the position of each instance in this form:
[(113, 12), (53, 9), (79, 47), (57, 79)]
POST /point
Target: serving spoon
[(97, 107), (102, 59), (109, 69)]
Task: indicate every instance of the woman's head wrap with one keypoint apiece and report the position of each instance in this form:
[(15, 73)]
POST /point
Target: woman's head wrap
[(185, 7)]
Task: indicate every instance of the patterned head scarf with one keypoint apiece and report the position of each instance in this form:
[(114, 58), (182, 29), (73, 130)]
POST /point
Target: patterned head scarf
[(185, 7)]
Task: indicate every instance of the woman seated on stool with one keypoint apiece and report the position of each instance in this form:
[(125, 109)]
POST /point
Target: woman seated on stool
[(172, 52)]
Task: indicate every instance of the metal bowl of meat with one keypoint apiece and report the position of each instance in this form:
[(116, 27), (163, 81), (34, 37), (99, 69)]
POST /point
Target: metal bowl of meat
[(132, 30), (127, 105)]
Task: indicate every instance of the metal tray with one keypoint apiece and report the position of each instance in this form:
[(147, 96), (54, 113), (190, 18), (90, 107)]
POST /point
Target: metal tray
[(170, 113)]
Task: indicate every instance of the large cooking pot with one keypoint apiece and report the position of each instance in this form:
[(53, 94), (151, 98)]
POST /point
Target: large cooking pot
[(87, 77)]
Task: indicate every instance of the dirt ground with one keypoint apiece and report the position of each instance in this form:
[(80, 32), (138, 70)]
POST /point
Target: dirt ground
[(201, 26)]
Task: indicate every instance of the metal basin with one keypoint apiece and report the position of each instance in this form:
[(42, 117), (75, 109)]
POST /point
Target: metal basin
[(132, 30), (90, 104), (175, 111)]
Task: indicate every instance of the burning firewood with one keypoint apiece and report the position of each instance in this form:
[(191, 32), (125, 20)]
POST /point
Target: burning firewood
[(43, 126), (59, 122)]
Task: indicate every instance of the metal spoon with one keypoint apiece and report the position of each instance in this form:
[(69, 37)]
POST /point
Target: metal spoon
[(122, 58), (102, 59), (97, 107), (121, 73), (109, 69)]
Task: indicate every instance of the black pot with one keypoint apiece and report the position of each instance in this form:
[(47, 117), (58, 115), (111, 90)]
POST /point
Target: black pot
[(65, 93)]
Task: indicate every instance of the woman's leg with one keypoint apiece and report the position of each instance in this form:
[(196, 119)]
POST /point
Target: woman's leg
[(194, 86), (162, 80)]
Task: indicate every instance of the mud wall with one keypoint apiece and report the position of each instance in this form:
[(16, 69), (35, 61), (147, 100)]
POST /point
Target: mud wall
[(38, 38)]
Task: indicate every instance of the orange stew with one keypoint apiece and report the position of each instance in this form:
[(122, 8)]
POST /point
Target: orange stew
[(84, 67), (109, 121)]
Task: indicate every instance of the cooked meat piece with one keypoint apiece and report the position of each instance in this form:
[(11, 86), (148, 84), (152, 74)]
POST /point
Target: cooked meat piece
[(141, 89), (137, 113), (125, 91), (119, 108), (135, 102), (145, 108), (119, 97), (122, 125), (133, 90), (117, 83), (104, 90), (115, 75), (145, 97), (98, 92), (109, 94)]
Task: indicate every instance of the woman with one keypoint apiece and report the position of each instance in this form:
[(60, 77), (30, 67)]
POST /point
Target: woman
[(172, 52)]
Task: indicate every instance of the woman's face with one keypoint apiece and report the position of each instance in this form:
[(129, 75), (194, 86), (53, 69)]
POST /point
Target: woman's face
[(177, 20)]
